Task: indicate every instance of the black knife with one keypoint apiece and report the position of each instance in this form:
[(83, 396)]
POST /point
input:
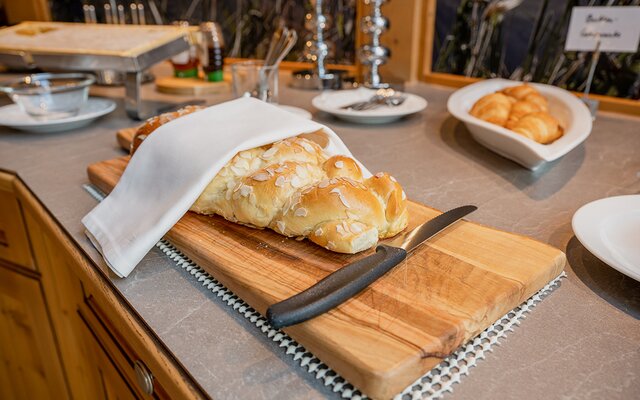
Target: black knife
[(353, 278)]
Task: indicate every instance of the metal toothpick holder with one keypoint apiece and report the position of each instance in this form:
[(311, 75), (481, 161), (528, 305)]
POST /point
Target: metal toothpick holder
[(373, 54), (316, 51)]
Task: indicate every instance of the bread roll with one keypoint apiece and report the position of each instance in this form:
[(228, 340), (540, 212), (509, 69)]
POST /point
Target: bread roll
[(294, 188), (538, 126), (494, 108)]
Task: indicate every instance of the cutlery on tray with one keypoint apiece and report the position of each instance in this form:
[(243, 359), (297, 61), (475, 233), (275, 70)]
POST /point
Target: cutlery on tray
[(383, 97), (341, 285)]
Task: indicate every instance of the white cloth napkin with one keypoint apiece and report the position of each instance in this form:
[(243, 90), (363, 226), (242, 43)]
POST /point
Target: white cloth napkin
[(174, 165)]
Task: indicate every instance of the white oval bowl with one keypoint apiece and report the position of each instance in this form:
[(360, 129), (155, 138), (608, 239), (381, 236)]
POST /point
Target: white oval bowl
[(570, 111)]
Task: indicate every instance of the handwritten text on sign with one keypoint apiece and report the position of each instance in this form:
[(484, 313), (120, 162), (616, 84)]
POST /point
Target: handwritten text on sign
[(617, 29)]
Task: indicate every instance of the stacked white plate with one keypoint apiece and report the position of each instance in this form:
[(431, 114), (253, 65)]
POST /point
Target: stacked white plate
[(13, 117)]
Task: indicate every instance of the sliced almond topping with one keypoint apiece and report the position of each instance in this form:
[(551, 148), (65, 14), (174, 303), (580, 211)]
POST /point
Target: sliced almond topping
[(301, 171), (379, 175), (261, 177), (280, 225), (238, 171), (404, 195), (345, 226), (318, 232), (331, 245), (356, 227), (323, 184), (245, 154), (339, 164), (280, 181), (242, 163), (341, 196), (351, 215), (301, 212), (340, 230), (281, 168), (307, 146), (296, 182), (245, 190), (255, 164), (270, 153), (392, 178)]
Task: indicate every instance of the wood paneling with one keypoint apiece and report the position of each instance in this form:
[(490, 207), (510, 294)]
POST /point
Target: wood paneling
[(446, 292), (14, 244), (29, 364)]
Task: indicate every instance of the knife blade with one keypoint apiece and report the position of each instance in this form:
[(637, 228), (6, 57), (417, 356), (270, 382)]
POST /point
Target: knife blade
[(341, 285)]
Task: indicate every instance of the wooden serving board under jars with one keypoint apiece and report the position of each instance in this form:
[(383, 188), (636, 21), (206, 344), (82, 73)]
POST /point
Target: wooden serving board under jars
[(447, 291)]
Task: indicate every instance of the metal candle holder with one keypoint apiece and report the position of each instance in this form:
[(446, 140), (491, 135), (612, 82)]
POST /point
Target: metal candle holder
[(316, 50), (373, 54)]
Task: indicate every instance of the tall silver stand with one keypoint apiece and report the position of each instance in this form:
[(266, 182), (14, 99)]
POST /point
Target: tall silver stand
[(373, 54), (316, 51)]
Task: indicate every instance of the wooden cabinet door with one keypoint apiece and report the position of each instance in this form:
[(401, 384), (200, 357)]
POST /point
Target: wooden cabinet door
[(113, 384), (30, 367), (14, 244)]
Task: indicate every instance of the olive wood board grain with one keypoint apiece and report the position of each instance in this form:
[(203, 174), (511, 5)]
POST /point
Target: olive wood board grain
[(447, 291)]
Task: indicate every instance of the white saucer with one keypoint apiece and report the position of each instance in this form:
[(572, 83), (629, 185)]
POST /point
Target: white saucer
[(13, 117), (610, 229), (331, 101), (296, 110)]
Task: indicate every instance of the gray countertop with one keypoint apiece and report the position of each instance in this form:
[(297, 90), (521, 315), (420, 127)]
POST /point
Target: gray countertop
[(583, 341)]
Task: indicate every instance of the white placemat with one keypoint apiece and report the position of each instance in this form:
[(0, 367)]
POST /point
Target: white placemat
[(432, 385)]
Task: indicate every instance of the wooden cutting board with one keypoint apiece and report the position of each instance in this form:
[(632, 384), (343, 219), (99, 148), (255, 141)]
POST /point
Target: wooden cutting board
[(446, 292)]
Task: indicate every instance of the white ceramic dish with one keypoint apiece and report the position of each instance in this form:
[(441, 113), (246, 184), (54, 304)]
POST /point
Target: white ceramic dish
[(610, 229), (572, 113), (13, 117), (332, 101)]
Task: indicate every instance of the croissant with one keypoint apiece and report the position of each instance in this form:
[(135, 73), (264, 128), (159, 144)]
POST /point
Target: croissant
[(493, 108), (526, 113), (294, 188), (519, 92), (538, 126), (519, 109)]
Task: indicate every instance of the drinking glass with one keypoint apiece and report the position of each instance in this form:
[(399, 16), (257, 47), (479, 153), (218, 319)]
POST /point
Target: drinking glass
[(252, 78)]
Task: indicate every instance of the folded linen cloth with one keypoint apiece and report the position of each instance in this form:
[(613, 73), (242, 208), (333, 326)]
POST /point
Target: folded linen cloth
[(173, 166)]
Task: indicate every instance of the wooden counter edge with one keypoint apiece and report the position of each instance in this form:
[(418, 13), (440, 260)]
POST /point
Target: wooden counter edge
[(176, 380)]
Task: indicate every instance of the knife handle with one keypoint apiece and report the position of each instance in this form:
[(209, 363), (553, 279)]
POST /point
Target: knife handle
[(336, 288)]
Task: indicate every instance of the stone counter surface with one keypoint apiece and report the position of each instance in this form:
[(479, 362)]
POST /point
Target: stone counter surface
[(581, 342)]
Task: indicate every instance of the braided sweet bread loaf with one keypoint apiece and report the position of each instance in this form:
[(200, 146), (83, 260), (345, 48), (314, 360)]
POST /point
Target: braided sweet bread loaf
[(294, 188)]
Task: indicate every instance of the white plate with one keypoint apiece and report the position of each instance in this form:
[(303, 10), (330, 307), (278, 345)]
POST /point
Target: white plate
[(610, 229), (572, 113), (13, 117), (331, 101), (296, 110)]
